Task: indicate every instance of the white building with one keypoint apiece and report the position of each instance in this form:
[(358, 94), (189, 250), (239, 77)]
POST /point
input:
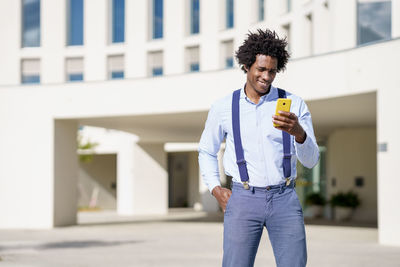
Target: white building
[(68, 63)]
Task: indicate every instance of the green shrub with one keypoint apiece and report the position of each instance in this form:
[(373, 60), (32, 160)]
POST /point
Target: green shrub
[(315, 199), (349, 199)]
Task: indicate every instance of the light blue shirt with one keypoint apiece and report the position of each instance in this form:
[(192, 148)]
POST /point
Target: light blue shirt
[(262, 143)]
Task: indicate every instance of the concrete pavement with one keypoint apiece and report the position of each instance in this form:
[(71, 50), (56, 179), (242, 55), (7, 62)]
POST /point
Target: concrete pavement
[(178, 240)]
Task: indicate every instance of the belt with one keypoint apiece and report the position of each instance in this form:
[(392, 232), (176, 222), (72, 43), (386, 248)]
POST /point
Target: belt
[(291, 183)]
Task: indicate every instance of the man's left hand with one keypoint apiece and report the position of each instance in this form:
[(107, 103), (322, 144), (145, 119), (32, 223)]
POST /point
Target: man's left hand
[(289, 123)]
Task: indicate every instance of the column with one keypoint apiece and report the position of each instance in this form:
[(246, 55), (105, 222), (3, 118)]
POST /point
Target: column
[(65, 173), (388, 161), (142, 180)]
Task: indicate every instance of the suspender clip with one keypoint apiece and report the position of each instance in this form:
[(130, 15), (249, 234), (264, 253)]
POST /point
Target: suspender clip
[(246, 185), (288, 181)]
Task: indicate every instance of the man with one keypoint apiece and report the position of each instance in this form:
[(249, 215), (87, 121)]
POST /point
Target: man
[(263, 175)]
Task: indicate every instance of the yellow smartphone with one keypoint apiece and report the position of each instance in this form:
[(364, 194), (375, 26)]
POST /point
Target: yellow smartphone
[(284, 105)]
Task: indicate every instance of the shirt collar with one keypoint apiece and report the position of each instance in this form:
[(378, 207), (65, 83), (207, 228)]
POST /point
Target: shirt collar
[(272, 94)]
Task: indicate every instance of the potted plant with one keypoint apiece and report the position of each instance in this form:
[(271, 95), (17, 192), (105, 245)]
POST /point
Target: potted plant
[(315, 203), (344, 205)]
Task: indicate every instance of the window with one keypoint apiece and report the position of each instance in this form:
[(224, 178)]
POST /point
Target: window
[(286, 32), (261, 10), (118, 21), (155, 63), (229, 14), (192, 59), (115, 67), (310, 34), (74, 69), (30, 71), (194, 16), (374, 21), (288, 6), (30, 23), (157, 19), (75, 22), (227, 54)]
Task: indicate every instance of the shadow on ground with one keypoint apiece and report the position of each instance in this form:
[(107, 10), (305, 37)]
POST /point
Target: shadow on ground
[(188, 215), (71, 244)]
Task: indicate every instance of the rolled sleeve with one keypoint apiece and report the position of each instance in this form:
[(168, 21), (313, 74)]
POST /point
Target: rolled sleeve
[(210, 143)]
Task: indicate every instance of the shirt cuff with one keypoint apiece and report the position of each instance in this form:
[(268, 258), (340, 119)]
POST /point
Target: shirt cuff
[(304, 144), (213, 185)]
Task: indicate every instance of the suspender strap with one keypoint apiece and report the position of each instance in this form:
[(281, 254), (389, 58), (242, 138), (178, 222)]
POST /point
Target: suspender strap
[(244, 176), (286, 144)]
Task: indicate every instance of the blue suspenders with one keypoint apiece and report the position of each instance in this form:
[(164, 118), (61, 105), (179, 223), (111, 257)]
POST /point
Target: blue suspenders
[(241, 162)]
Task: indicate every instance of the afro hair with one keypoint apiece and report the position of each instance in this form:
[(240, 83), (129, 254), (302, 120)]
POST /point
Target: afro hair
[(262, 43)]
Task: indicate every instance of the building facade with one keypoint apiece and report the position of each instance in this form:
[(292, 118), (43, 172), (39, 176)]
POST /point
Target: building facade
[(151, 70)]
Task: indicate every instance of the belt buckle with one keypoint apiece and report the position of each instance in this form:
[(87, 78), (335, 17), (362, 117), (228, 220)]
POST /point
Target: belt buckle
[(246, 185), (288, 181)]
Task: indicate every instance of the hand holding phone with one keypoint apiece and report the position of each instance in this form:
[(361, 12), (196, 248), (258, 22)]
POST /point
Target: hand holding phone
[(282, 104)]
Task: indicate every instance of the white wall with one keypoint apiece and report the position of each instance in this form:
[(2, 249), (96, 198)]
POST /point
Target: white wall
[(352, 153), (9, 50), (150, 185), (388, 162), (27, 164), (395, 18)]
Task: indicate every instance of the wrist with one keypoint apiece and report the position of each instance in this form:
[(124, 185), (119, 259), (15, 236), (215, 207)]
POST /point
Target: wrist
[(301, 138)]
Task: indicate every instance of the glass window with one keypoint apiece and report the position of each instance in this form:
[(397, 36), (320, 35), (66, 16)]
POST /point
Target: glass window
[(310, 34), (194, 16), (75, 22), (374, 21), (194, 67), (118, 21), (229, 14), (286, 31), (261, 10), (30, 71), (157, 71), (288, 5), (30, 23), (312, 180), (229, 62), (155, 63), (74, 69), (157, 19), (227, 54), (192, 59), (116, 67)]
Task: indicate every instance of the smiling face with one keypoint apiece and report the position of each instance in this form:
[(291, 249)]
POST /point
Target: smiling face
[(261, 75)]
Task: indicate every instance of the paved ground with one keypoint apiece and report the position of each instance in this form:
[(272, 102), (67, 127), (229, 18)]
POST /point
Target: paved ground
[(179, 240)]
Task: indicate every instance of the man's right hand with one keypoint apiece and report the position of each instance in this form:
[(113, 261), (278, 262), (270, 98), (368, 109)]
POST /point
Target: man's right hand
[(222, 195)]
